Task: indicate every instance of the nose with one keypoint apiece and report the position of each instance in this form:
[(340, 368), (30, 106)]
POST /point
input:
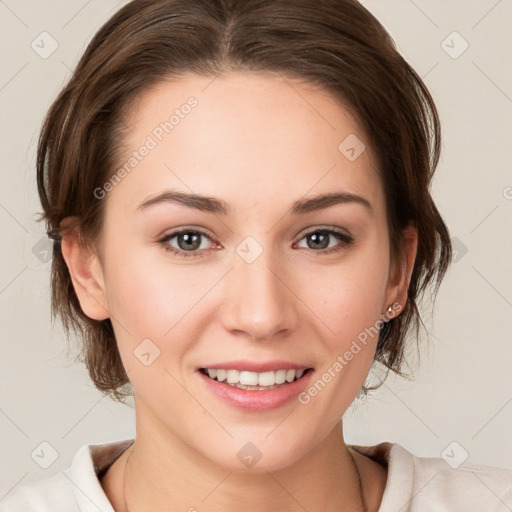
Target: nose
[(259, 300)]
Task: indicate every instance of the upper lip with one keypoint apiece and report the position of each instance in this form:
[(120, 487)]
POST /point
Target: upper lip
[(257, 366)]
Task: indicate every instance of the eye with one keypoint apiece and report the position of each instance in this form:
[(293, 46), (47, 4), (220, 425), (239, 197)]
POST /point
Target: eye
[(189, 242), (319, 240)]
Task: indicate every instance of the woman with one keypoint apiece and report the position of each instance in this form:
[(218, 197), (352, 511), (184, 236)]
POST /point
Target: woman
[(238, 191)]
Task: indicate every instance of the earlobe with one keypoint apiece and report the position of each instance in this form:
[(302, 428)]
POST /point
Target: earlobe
[(87, 276), (401, 273)]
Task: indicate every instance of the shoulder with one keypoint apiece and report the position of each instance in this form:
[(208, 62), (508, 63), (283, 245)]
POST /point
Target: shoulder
[(76, 489), (417, 483), (469, 487), (45, 495)]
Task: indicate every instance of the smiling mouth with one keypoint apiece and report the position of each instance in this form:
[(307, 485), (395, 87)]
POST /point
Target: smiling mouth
[(255, 381)]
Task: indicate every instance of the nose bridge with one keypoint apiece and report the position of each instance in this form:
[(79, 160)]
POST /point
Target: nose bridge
[(257, 300)]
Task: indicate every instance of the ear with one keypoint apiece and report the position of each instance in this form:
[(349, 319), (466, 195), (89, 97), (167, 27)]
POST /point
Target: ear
[(86, 275), (401, 271)]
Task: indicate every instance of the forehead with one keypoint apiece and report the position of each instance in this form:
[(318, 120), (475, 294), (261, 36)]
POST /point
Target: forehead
[(244, 137)]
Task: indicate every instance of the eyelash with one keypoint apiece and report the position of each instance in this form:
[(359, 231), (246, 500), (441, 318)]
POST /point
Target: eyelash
[(345, 240)]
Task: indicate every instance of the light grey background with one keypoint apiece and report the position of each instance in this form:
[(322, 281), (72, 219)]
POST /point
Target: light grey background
[(463, 389)]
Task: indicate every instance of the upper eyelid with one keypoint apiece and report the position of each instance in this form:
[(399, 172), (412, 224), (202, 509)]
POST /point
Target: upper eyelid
[(313, 229)]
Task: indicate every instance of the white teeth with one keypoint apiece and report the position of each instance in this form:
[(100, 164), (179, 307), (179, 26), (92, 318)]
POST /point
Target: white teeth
[(267, 378), (233, 376), (280, 376), (254, 380), (248, 378)]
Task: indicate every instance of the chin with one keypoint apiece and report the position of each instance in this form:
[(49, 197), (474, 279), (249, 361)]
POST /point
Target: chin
[(258, 453)]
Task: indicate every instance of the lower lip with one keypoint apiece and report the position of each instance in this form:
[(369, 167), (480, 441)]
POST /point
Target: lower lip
[(257, 400)]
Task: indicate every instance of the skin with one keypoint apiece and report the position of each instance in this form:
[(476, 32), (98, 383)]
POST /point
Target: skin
[(259, 142)]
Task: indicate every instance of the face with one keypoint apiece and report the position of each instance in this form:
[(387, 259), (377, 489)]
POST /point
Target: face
[(255, 278)]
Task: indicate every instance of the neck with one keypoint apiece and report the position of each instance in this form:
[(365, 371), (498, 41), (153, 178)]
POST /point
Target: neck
[(164, 473)]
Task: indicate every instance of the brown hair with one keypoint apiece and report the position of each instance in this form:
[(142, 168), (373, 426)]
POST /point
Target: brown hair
[(336, 44)]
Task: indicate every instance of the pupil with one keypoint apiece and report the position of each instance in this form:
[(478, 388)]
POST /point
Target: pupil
[(320, 241), (190, 239)]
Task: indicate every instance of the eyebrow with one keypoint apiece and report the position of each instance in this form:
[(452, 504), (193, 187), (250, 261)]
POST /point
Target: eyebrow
[(218, 206)]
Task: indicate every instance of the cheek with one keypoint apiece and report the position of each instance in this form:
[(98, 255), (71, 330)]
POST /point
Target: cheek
[(140, 300), (348, 297), (349, 302), (149, 306), (151, 297)]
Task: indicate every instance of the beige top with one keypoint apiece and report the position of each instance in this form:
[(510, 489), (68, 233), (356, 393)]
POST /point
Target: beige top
[(414, 484)]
